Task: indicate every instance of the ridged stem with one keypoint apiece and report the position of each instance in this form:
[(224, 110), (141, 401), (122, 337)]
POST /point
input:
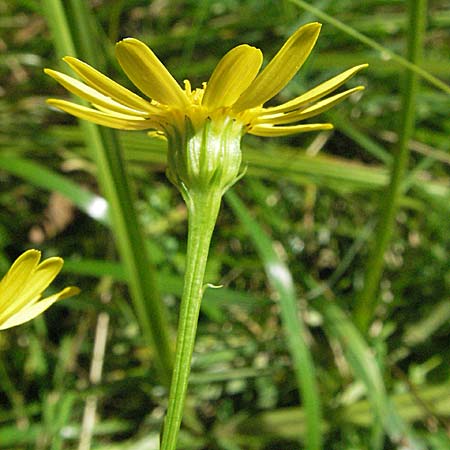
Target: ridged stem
[(203, 210)]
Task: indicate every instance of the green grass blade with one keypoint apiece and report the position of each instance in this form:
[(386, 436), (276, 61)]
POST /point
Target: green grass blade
[(114, 183), (272, 161), (282, 422), (367, 300), (365, 367), (410, 65), (40, 176), (363, 139), (281, 280), (86, 201)]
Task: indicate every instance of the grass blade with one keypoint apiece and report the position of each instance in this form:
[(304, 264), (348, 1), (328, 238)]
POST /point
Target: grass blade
[(43, 177), (367, 300), (410, 65), (280, 278), (114, 183), (365, 367)]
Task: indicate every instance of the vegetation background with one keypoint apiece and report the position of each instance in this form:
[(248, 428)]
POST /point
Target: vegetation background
[(83, 377)]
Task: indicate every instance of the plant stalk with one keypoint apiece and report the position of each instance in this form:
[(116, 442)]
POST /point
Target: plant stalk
[(203, 210)]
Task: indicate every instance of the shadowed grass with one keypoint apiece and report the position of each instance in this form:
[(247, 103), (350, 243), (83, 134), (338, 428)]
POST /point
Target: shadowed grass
[(114, 182)]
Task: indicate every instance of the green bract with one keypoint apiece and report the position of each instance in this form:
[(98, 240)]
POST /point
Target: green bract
[(207, 158)]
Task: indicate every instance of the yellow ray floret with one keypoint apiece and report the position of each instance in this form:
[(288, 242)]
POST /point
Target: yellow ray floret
[(105, 85), (22, 287), (148, 73), (235, 91), (318, 92), (305, 113), (232, 76), (281, 69)]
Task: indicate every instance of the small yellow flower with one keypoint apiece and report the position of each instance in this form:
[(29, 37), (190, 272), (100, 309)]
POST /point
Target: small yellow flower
[(204, 126), (235, 90), (21, 288)]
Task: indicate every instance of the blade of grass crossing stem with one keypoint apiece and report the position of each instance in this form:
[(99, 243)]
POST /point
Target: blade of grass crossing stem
[(365, 367), (294, 329), (411, 65), (36, 174), (114, 183), (324, 170), (88, 202), (367, 300), (86, 33), (364, 140)]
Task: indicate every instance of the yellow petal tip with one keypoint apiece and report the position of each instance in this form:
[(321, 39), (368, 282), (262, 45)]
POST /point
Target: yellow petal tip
[(128, 40), (70, 60), (51, 73), (361, 66), (69, 292), (313, 25), (32, 251)]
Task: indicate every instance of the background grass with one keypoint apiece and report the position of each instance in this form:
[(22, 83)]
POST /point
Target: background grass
[(83, 377)]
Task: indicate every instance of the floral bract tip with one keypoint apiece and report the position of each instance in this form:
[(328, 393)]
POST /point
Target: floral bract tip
[(236, 90), (22, 287)]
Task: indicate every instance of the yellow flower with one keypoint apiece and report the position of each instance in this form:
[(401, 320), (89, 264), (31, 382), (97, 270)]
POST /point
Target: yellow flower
[(21, 288), (234, 90), (204, 126)]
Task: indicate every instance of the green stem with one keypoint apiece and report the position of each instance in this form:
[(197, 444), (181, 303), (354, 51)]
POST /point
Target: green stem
[(203, 210), (367, 300)]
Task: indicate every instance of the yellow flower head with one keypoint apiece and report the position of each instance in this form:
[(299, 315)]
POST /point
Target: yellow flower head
[(232, 99), (235, 89), (21, 288)]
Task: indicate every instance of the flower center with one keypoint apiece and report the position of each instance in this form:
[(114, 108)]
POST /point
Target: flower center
[(196, 95)]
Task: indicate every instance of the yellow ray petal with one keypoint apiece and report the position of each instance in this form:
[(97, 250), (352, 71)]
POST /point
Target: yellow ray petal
[(314, 110), (318, 92), (271, 131), (17, 276), (232, 76), (92, 95), (119, 121), (33, 283), (147, 72), (24, 263), (281, 69), (41, 277), (153, 117), (29, 313), (106, 86)]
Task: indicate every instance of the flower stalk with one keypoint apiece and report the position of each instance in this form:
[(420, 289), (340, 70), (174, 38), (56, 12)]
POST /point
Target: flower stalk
[(203, 210), (204, 160), (203, 128)]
